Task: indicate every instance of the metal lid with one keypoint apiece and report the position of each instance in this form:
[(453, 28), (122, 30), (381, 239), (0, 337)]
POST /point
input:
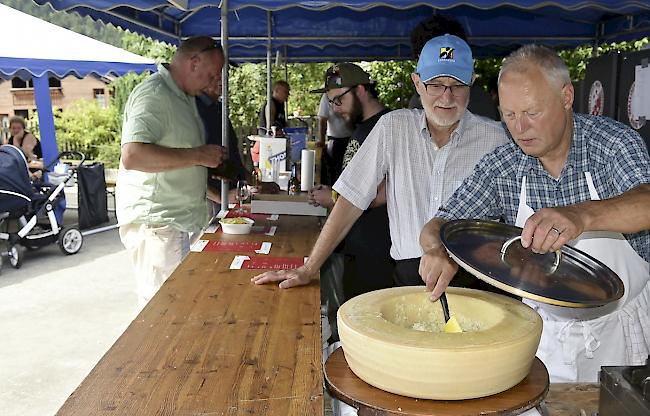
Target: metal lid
[(491, 251)]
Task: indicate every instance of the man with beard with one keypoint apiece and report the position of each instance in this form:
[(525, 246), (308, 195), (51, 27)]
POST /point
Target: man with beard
[(420, 155), (367, 262), (480, 102), (334, 135)]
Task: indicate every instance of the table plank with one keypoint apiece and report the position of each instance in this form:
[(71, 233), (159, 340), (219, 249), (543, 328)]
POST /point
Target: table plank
[(210, 342), (568, 399)]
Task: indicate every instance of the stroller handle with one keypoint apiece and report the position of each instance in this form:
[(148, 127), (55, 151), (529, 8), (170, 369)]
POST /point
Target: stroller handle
[(73, 153)]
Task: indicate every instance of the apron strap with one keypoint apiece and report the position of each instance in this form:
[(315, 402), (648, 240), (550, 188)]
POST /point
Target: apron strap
[(591, 342), (592, 189), (522, 191), (569, 348)]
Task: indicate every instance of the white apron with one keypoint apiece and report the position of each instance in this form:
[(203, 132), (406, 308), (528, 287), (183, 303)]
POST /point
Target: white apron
[(576, 342)]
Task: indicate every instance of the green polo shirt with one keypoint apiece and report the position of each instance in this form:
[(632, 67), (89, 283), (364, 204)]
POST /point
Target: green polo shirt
[(159, 112)]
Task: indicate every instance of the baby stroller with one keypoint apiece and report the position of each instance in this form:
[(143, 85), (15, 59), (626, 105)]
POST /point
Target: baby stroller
[(34, 206)]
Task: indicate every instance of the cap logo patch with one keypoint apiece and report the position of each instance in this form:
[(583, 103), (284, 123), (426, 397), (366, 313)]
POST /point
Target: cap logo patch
[(446, 54)]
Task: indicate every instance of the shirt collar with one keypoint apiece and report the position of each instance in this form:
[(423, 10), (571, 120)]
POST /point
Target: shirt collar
[(163, 70), (576, 150), (456, 135), (574, 160)]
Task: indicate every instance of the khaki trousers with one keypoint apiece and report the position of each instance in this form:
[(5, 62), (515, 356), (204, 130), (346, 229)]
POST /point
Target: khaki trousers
[(155, 251)]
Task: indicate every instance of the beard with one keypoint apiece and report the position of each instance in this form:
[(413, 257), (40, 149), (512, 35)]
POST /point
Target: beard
[(355, 115), (446, 120)]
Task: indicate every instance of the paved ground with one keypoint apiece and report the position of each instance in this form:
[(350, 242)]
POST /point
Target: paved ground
[(59, 315)]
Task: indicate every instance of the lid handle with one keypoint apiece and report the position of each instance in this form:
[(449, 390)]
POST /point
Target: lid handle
[(556, 263)]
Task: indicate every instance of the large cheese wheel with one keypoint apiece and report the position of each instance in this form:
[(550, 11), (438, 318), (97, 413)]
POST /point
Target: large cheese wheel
[(393, 339)]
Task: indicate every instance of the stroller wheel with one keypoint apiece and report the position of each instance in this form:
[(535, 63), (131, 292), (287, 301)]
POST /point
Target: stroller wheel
[(70, 240), (16, 254)]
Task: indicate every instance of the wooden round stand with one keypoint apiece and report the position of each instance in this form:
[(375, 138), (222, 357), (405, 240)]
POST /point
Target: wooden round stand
[(347, 387)]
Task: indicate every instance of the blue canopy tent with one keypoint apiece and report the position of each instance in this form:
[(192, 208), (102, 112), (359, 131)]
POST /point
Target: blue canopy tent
[(51, 51), (313, 30), (319, 30)]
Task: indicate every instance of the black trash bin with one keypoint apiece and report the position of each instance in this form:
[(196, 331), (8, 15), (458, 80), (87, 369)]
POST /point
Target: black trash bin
[(91, 184)]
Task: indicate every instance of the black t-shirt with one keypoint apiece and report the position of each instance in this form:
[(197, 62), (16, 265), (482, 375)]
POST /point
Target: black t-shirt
[(38, 151), (280, 120), (370, 233)]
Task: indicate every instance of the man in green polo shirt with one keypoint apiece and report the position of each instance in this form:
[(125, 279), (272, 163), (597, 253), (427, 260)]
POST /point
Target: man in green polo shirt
[(161, 183)]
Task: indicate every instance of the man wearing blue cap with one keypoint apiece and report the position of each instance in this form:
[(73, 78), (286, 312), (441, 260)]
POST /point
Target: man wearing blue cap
[(422, 154)]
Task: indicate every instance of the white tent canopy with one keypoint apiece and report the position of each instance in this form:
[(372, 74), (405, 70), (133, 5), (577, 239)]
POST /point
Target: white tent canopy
[(47, 47), (48, 50)]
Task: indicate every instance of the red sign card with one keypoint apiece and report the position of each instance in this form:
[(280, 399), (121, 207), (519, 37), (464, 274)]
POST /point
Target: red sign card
[(273, 263)]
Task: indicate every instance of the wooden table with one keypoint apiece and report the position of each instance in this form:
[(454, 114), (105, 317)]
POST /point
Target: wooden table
[(569, 399), (212, 343)]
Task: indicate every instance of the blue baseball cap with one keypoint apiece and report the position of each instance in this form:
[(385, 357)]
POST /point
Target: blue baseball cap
[(446, 56)]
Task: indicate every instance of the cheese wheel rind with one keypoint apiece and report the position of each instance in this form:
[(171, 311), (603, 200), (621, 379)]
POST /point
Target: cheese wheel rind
[(493, 353)]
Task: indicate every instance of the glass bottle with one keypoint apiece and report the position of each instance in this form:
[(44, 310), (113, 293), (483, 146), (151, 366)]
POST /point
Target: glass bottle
[(293, 188)]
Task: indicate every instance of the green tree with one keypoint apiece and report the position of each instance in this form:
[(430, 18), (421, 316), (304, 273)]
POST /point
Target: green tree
[(394, 84), (88, 128), (247, 89), (144, 46)]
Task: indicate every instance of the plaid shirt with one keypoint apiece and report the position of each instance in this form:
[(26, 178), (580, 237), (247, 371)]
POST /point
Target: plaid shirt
[(614, 154)]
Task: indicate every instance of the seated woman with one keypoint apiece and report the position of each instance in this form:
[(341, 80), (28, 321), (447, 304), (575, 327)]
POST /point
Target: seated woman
[(23, 139)]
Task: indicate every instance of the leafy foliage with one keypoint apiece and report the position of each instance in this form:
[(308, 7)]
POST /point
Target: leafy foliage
[(87, 127), (394, 84), (248, 91), (578, 58), (138, 44)]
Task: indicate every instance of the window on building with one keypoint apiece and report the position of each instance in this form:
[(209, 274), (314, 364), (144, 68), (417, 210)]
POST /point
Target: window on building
[(100, 95), (19, 83), (23, 113)]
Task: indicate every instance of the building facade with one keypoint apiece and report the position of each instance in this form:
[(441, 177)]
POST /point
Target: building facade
[(17, 96)]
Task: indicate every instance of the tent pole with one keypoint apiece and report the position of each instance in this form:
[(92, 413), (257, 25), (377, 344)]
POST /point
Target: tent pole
[(45, 118), (286, 66), (224, 97), (286, 78), (600, 28), (269, 76)]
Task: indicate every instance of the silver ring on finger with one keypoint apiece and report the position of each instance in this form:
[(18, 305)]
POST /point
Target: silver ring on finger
[(556, 230)]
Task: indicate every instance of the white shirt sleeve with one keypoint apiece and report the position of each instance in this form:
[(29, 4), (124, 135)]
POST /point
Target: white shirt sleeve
[(358, 182), (324, 107)]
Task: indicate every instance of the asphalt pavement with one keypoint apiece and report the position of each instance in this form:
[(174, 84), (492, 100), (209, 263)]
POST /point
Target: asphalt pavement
[(59, 314)]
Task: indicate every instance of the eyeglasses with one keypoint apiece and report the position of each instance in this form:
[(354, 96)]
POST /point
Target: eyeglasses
[(213, 46), (337, 100), (436, 90)]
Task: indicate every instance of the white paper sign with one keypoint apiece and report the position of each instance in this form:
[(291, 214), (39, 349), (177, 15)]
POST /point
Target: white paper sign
[(238, 262), (212, 228), (265, 249), (198, 246), (641, 95)]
